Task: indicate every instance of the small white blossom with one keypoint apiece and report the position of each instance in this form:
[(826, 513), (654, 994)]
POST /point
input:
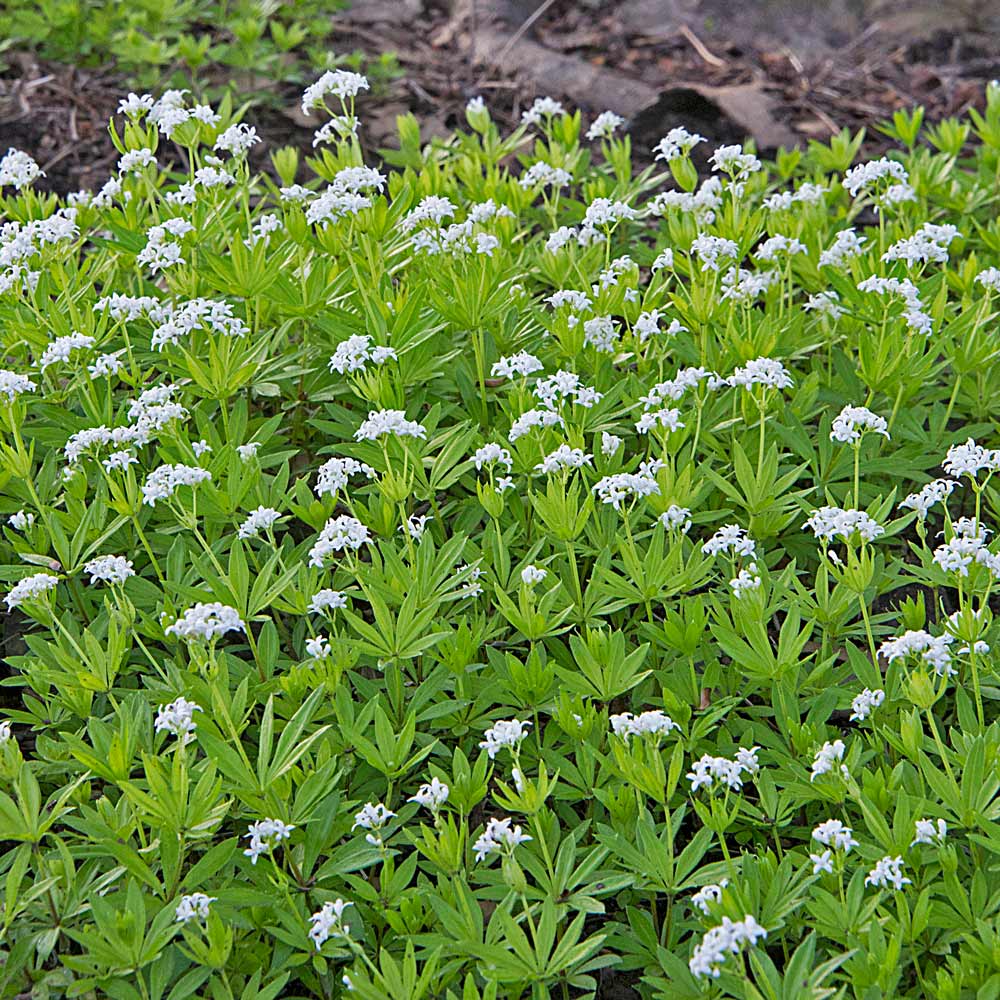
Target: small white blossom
[(177, 718), (206, 622), (503, 734), (328, 922), (888, 872), (31, 588), (193, 907), (865, 703), (109, 569), (827, 757), (264, 836), (927, 832), (500, 836), (605, 125)]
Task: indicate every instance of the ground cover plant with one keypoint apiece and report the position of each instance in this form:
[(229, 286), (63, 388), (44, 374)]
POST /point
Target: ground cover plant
[(246, 46), (508, 575)]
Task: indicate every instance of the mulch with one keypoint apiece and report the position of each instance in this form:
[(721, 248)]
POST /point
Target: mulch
[(59, 113)]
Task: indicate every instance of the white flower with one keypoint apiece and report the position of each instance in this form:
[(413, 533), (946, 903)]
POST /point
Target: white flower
[(934, 492), (710, 250), (206, 622), (888, 871), (492, 454), (264, 835), (318, 647), (506, 733), (603, 213), (120, 460), (865, 703), (929, 243), (623, 486), (762, 371), (335, 474), (734, 161), (542, 174), (776, 246), (601, 333), (434, 209), (833, 833), (499, 836), (676, 143), (328, 922), (933, 650), (17, 169), (651, 723), (676, 518), (261, 519), (828, 523), (237, 139), (731, 538), (825, 303), (610, 443), (134, 106), (521, 363), (605, 125), (720, 942), (970, 459), (708, 894), (193, 907), (746, 580), (543, 107), (531, 574), (333, 204), (177, 718), (989, 278), (31, 588), (668, 418), (327, 600), (159, 252), (341, 83), (162, 482), (109, 569), (21, 520), (338, 534), (828, 755), (431, 795), (133, 161), (382, 422), (846, 244), (851, 423), (926, 832), (61, 348), (822, 862), (248, 450), (373, 816), (531, 419), (105, 364), (710, 772), (864, 176), (13, 385), (355, 353), (415, 525), (472, 587), (564, 457)]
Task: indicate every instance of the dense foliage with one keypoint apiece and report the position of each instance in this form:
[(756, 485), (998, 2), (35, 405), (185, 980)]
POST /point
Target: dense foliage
[(510, 572), (251, 44)]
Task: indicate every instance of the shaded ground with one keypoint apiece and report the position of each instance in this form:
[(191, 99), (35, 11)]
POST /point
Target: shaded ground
[(780, 71)]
